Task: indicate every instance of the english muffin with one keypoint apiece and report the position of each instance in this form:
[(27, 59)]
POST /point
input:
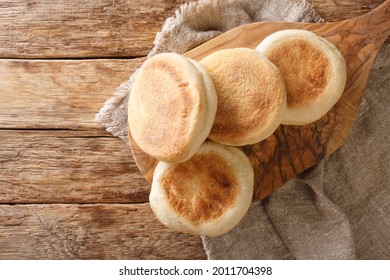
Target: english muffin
[(251, 96), (206, 195), (314, 71), (172, 106)]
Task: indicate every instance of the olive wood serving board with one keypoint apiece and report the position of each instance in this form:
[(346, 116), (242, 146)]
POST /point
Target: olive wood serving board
[(293, 149)]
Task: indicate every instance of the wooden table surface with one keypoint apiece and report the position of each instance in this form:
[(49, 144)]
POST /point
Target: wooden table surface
[(68, 189)]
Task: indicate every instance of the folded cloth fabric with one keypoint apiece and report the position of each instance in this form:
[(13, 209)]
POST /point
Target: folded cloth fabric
[(340, 208)]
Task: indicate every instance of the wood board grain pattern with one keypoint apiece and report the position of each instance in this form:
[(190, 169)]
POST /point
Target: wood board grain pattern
[(58, 94), (91, 231), (107, 28), (46, 166), (101, 28)]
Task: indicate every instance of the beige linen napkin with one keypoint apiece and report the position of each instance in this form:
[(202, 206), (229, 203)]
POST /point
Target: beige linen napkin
[(339, 209)]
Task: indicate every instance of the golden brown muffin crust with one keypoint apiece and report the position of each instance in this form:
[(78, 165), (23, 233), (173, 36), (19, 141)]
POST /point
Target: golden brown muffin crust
[(166, 104), (250, 92), (191, 196), (305, 68)]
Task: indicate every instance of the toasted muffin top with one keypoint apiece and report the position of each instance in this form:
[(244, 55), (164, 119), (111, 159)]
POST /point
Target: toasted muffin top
[(251, 95), (168, 107), (205, 195), (313, 69)]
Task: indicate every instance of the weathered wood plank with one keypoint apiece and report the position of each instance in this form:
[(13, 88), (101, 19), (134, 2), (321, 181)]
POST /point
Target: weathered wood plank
[(332, 10), (67, 167), (82, 28), (92, 231), (107, 28), (64, 94)]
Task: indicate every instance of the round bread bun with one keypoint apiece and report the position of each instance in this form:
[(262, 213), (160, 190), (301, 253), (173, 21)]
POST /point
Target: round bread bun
[(314, 71), (172, 107), (207, 195), (251, 96)]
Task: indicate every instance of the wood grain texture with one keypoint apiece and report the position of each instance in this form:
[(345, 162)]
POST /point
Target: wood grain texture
[(58, 94), (101, 28), (46, 166), (336, 10), (91, 231), (107, 28), (293, 149)]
